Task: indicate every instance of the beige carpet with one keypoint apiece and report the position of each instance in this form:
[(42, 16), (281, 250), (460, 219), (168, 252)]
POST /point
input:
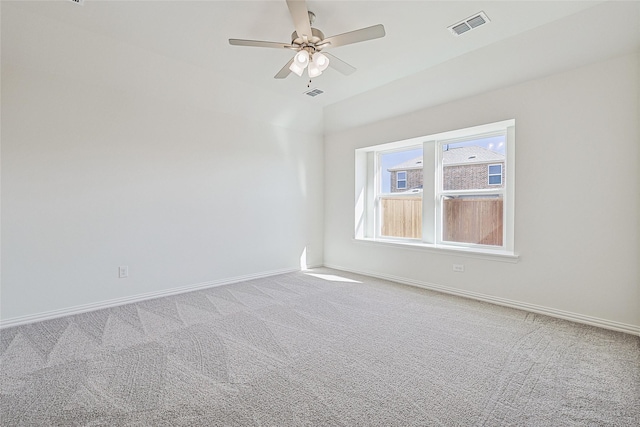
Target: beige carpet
[(334, 349)]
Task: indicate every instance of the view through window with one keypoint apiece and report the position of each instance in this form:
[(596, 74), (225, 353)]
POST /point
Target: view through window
[(471, 191), (449, 189), (400, 198)]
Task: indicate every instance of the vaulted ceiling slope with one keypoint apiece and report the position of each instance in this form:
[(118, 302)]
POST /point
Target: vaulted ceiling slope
[(419, 60), (607, 30)]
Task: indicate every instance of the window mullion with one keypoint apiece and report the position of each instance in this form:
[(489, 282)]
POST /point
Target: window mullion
[(430, 163)]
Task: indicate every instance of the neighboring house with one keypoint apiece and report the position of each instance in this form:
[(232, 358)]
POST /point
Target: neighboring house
[(464, 168), (407, 175)]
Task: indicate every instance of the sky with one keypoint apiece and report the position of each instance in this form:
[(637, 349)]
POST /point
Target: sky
[(494, 143)]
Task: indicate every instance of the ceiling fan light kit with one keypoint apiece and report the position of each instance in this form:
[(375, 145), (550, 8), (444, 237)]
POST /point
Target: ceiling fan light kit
[(302, 58), (321, 61), (308, 42), (316, 63), (297, 69), (313, 70)]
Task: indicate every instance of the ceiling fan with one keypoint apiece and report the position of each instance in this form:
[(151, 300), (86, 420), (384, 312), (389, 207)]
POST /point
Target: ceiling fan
[(308, 42)]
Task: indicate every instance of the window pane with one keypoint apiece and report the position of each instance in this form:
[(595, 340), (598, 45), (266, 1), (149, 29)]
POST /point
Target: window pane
[(401, 170), (473, 219), (401, 216), (495, 179), (464, 164), (495, 170)]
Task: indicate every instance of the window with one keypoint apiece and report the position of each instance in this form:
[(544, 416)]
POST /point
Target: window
[(401, 180), (450, 190), (495, 174)]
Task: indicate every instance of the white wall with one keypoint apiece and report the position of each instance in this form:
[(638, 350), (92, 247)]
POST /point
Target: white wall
[(115, 156), (577, 195)]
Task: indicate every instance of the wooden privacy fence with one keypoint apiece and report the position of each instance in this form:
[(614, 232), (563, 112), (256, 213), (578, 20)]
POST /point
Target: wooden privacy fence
[(402, 217), (465, 219), (473, 220)]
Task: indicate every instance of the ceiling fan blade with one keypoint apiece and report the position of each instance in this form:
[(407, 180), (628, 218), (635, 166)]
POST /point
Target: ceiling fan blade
[(339, 65), (300, 15), (258, 43), (285, 70), (361, 35)]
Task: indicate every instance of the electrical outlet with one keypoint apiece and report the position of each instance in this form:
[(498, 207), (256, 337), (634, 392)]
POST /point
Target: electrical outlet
[(459, 268), (123, 271)]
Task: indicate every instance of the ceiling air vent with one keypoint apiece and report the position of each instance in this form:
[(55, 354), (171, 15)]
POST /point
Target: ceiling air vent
[(314, 92), (469, 24)]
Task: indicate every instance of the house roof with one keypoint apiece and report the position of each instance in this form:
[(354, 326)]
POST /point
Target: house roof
[(459, 155), (473, 154), (409, 164)]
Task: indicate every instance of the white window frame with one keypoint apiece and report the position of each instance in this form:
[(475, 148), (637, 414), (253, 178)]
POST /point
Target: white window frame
[(367, 183), (489, 174)]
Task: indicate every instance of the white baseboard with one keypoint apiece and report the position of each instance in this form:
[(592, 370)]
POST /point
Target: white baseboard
[(561, 314), (47, 315), (575, 317)]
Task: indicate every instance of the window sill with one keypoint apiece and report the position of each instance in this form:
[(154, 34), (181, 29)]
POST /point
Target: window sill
[(486, 254)]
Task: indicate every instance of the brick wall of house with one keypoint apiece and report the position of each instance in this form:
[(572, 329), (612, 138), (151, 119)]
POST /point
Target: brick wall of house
[(414, 180), (469, 176), (456, 177)]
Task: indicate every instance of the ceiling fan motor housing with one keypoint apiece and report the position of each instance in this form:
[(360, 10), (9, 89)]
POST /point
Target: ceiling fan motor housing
[(316, 37)]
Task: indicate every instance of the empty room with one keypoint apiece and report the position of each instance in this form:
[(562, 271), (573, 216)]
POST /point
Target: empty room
[(320, 213)]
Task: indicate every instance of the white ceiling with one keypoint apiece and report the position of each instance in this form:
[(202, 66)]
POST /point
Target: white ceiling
[(197, 32)]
